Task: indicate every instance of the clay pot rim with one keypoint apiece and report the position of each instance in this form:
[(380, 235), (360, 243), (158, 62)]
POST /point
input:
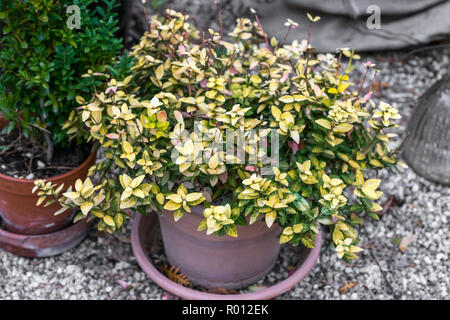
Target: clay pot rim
[(16, 242), (147, 266), (90, 158)]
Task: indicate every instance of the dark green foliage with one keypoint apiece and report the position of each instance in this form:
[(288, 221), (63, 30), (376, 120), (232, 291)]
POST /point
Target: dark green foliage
[(42, 60)]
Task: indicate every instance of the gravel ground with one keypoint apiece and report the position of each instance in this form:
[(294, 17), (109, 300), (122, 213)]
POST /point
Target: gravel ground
[(103, 267)]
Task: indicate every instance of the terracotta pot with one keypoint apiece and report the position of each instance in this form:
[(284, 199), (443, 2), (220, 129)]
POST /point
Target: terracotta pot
[(143, 233), (18, 208), (219, 262), (45, 245), (3, 122)]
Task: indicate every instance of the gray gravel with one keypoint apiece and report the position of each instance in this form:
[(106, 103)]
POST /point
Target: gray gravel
[(103, 267)]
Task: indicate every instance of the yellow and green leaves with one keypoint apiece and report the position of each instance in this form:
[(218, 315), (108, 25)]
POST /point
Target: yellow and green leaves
[(344, 239), (187, 91), (367, 188), (331, 191), (218, 218), (182, 201), (288, 232), (386, 113), (286, 122), (305, 172), (132, 190)]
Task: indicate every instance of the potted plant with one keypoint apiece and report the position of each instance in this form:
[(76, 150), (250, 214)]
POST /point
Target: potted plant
[(194, 135), (45, 62)]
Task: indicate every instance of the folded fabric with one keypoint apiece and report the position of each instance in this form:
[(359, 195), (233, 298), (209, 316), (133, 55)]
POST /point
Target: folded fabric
[(349, 23)]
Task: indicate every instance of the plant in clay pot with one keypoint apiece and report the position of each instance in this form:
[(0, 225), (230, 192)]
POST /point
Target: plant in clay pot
[(252, 140), (44, 65)]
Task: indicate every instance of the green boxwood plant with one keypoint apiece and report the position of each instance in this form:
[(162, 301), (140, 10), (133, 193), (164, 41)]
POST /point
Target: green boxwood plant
[(45, 63)]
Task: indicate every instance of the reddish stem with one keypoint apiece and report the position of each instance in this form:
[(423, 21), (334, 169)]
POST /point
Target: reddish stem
[(363, 80), (264, 33)]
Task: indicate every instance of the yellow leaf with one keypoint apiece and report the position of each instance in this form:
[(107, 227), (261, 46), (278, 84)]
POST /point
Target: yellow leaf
[(86, 207), (159, 72), (255, 79), (109, 221), (355, 249), (41, 199), (295, 136), (160, 198), (376, 207), (270, 218), (231, 230), (137, 181), (332, 90), (175, 198), (193, 196), (126, 194), (118, 218), (287, 99), (315, 19), (276, 113), (342, 128), (284, 238), (98, 214), (369, 192), (138, 193), (78, 185), (127, 147), (324, 123), (337, 235), (372, 183), (214, 161), (172, 206), (80, 100), (354, 164), (359, 178), (297, 228), (128, 203)]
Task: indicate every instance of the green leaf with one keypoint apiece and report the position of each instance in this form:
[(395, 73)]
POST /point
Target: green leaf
[(307, 242), (230, 229), (301, 203)]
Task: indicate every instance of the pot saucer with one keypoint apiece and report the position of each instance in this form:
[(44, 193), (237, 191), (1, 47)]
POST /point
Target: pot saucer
[(44, 245), (142, 236)]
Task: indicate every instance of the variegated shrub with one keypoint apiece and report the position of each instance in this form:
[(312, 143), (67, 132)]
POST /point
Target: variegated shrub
[(187, 83)]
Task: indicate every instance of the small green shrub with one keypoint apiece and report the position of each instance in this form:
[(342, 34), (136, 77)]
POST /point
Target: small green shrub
[(44, 63)]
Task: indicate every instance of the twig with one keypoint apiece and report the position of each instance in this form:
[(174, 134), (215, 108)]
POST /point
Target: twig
[(438, 46), (339, 63), (56, 167), (307, 55), (383, 274), (363, 80), (10, 145), (387, 204), (30, 163), (262, 29), (144, 8), (48, 140)]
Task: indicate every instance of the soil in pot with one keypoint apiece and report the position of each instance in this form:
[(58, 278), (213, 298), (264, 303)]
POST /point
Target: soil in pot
[(22, 159), (21, 162)]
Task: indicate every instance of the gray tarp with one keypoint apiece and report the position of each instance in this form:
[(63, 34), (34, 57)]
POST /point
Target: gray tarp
[(344, 22)]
